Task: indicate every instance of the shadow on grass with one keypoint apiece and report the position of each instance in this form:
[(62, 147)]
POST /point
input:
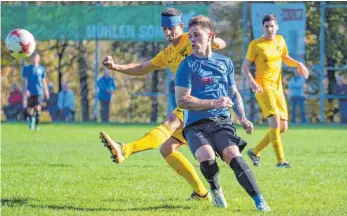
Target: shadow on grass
[(36, 165), (24, 203), (14, 202), (59, 165)]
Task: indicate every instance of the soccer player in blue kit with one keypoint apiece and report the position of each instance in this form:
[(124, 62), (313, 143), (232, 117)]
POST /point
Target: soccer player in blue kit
[(206, 88), (34, 77)]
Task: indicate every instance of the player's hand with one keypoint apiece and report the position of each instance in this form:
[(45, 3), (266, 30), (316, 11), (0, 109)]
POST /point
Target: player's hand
[(223, 102), (247, 125), (302, 70), (27, 93), (255, 87), (108, 62), (47, 95)]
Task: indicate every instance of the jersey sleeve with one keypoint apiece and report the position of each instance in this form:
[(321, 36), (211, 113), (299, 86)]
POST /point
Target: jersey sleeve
[(231, 73), (285, 48), (184, 75), (159, 60), (24, 72), (44, 72), (251, 52)]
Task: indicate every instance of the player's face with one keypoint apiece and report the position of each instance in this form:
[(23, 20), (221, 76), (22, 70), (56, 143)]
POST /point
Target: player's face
[(200, 38), (36, 59), (270, 29), (172, 34)]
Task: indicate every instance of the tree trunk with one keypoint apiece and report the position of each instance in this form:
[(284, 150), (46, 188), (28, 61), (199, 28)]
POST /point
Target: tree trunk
[(331, 82), (83, 75), (154, 89), (60, 48), (154, 113)]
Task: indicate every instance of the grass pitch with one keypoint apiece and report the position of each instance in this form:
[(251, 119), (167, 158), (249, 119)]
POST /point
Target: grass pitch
[(65, 170)]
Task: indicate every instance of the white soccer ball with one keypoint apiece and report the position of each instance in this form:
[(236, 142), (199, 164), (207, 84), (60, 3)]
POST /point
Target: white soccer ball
[(21, 43)]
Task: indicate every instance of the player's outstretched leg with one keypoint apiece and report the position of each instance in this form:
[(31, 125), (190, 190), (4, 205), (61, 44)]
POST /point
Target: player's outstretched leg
[(151, 140), (114, 147), (156, 136), (181, 165)]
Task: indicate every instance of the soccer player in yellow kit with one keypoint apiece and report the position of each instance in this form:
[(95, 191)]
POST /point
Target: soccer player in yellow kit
[(169, 133), (268, 52)]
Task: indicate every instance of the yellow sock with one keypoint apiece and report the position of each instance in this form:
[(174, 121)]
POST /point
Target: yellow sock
[(275, 138), (262, 144), (151, 140), (185, 169)]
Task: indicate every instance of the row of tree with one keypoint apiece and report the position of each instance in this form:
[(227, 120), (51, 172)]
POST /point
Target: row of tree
[(74, 61)]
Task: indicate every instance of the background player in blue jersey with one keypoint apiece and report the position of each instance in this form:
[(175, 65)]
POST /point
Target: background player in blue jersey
[(34, 77), (205, 87)]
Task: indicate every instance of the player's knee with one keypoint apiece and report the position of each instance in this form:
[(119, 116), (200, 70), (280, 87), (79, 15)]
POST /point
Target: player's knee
[(172, 122), (230, 153), (38, 108), (205, 153), (168, 147), (165, 150), (284, 129), (284, 126), (30, 111), (274, 121)]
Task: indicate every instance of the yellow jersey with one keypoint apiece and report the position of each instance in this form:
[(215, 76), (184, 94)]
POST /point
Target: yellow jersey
[(171, 56), (267, 56)]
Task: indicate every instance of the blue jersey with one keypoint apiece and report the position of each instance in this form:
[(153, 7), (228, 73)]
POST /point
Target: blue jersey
[(105, 85), (34, 76), (208, 78)]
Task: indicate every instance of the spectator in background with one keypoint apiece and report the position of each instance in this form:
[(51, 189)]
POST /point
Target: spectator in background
[(340, 89), (297, 96), (15, 104), (66, 104), (106, 87), (52, 103)]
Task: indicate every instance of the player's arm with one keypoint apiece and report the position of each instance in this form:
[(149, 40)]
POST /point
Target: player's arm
[(45, 88), (184, 100), (218, 43), (134, 69), (239, 109), (301, 68), (247, 72), (113, 86), (25, 82), (236, 98), (25, 86)]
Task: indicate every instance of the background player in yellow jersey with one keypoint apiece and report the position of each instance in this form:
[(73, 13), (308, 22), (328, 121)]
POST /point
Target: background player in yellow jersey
[(268, 52), (169, 133)]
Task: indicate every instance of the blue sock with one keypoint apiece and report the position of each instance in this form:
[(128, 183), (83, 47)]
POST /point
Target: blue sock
[(258, 199)]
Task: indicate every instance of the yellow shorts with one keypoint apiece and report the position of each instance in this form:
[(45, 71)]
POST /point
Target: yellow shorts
[(178, 134), (272, 103)]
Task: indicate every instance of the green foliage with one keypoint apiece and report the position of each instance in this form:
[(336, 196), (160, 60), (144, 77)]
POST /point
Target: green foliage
[(65, 170), (227, 17)]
